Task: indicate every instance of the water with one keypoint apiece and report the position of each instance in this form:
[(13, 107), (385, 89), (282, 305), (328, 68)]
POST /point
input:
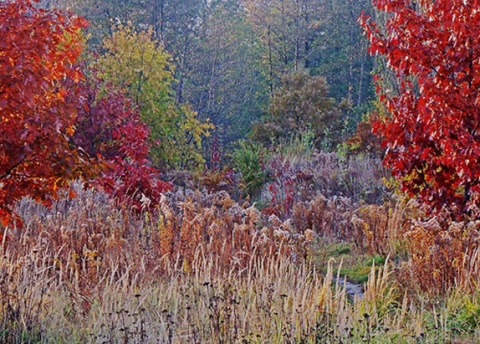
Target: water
[(354, 290)]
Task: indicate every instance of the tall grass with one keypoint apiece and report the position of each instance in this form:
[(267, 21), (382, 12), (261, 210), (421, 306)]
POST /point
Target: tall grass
[(270, 301), (206, 269)]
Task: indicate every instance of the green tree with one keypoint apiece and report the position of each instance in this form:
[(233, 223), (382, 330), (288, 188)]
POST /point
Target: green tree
[(321, 36), (226, 85), (287, 30), (340, 51), (230, 55), (138, 64)]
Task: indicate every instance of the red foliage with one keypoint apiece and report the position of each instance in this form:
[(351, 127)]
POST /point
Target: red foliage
[(50, 116), (109, 129), (432, 137), (38, 49)]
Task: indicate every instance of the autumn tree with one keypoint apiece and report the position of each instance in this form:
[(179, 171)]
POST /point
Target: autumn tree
[(432, 133), (301, 105), (110, 131), (230, 55), (137, 64), (38, 50)]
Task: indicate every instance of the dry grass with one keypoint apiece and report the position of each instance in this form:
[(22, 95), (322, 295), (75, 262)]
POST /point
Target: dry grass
[(444, 256), (328, 174), (206, 269), (271, 301)]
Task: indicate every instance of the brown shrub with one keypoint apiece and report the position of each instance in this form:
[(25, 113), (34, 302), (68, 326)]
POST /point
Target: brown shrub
[(89, 241), (443, 254)]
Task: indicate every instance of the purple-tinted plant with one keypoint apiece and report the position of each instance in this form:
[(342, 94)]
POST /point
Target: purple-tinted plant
[(301, 180)]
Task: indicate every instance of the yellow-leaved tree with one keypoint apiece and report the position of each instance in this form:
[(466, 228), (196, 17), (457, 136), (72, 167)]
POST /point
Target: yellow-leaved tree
[(138, 64)]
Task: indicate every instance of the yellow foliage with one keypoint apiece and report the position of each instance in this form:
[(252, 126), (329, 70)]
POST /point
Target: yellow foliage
[(136, 63)]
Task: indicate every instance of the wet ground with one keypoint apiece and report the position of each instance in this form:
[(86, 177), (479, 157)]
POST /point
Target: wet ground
[(353, 289)]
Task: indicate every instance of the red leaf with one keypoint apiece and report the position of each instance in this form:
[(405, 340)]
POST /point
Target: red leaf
[(434, 116)]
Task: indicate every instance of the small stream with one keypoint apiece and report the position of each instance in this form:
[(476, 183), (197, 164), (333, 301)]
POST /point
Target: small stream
[(354, 290)]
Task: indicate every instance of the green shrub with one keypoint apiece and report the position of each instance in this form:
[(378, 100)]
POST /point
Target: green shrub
[(250, 159)]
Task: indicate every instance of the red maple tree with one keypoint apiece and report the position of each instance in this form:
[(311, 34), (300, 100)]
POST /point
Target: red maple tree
[(110, 131), (54, 126), (38, 50), (432, 136)]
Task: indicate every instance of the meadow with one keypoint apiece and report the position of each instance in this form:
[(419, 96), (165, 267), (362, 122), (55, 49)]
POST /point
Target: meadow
[(211, 266)]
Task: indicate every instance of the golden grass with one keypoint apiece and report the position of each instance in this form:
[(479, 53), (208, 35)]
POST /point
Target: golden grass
[(208, 270), (271, 301)]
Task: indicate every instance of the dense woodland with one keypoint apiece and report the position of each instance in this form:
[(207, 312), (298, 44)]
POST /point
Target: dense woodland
[(239, 171), (229, 57)]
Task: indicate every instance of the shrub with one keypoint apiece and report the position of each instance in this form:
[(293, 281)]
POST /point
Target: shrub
[(296, 180), (250, 160)]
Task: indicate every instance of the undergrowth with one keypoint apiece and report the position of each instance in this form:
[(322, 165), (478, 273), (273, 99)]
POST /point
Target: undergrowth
[(207, 268)]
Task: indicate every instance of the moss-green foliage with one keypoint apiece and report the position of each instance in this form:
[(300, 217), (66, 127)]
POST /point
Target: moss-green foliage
[(300, 105), (360, 271), (137, 63), (340, 249), (298, 147), (249, 159), (463, 313), (355, 267)]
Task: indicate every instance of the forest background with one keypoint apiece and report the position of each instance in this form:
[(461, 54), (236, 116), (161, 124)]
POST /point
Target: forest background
[(229, 57)]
